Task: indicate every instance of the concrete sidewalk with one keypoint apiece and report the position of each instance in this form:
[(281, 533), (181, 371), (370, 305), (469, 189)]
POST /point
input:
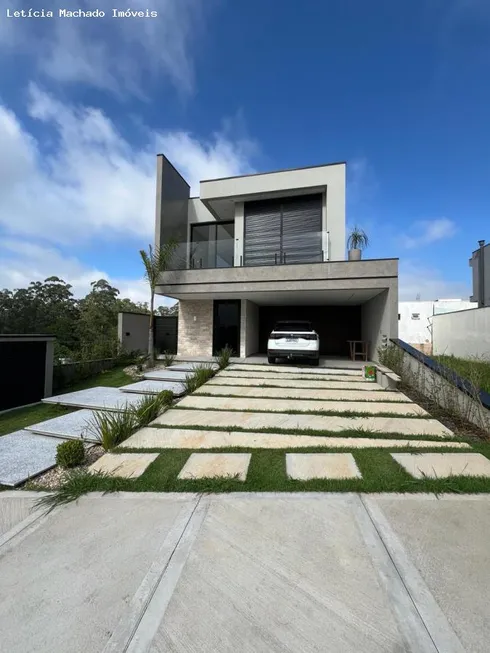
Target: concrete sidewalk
[(259, 573)]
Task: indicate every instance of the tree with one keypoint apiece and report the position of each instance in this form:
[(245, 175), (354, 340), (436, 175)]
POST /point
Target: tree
[(168, 310), (97, 326), (156, 261), (128, 306)]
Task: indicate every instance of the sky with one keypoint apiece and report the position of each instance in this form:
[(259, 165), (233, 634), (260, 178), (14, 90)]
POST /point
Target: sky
[(398, 90)]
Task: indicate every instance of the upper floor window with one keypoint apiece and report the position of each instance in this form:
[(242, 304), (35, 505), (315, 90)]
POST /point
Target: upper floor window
[(212, 245)]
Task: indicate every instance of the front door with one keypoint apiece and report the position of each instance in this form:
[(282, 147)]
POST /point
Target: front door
[(226, 325)]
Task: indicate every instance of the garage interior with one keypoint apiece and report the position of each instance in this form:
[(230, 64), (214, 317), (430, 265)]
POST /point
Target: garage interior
[(336, 315)]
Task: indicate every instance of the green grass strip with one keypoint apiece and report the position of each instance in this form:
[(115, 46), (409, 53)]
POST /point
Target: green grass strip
[(347, 433), (341, 400), (267, 473), (323, 413)]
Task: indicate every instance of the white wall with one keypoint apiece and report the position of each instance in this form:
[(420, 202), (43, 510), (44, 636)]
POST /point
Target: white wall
[(419, 331), (464, 334), (197, 212), (249, 328)]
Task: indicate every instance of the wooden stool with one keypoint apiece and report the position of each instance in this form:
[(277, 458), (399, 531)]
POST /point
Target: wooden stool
[(361, 351)]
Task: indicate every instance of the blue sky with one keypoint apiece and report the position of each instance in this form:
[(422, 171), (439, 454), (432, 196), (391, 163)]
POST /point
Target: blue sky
[(399, 90)]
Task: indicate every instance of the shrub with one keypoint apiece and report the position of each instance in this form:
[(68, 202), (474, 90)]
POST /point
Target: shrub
[(223, 357), (201, 375), (70, 453), (112, 428), (149, 408), (140, 361), (168, 358)]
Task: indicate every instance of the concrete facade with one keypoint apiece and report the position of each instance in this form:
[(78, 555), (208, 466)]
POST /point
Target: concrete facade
[(330, 280), (480, 265), (465, 334), (415, 321), (132, 331)]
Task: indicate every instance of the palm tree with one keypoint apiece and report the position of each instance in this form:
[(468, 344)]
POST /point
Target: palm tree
[(156, 260)]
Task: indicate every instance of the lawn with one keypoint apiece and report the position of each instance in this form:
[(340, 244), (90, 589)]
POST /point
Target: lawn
[(476, 371), (17, 419), (267, 473)]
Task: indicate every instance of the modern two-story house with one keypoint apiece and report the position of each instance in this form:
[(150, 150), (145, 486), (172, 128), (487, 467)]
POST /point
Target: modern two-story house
[(264, 247)]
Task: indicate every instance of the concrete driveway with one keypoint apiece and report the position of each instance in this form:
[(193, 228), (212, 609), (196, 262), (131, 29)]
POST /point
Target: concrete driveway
[(241, 572)]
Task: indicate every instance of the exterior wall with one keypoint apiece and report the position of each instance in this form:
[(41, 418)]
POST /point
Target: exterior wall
[(418, 332), (132, 331), (380, 320), (195, 328), (287, 181), (475, 264), (198, 212), (275, 182), (19, 352), (439, 390), (464, 334), (354, 275), (172, 198), (249, 328)]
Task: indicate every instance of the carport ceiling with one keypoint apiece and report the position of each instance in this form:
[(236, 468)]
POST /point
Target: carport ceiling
[(303, 297)]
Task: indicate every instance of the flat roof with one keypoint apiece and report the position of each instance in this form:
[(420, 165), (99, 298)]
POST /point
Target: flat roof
[(272, 172)]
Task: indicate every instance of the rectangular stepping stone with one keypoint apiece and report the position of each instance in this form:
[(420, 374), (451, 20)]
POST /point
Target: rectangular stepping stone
[(442, 465), (189, 367), (325, 383), (300, 406), (162, 438), (228, 389), (291, 369), (24, 455), (127, 465), (166, 375), (216, 465), (154, 387), (252, 421), (329, 378), (74, 426), (306, 466), (99, 398), (293, 383)]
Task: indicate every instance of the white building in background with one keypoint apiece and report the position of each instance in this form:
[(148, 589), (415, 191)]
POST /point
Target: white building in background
[(415, 319)]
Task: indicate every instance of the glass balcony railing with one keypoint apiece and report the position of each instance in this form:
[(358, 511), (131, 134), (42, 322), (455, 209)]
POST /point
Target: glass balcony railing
[(290, 250)]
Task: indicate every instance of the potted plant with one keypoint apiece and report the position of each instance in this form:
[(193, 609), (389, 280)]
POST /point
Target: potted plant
[(356, 242)]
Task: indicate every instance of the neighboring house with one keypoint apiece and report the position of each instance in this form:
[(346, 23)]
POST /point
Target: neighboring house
[(480, 264), (264, 247), (415, 319)]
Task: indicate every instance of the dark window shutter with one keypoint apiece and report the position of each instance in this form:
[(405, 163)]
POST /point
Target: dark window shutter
[(302, 229), (262, 233)]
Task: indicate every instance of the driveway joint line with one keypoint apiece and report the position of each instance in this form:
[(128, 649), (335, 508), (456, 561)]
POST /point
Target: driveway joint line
[(446, 640)]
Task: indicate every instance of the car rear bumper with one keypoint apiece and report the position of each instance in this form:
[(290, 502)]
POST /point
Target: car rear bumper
[(293, 353)]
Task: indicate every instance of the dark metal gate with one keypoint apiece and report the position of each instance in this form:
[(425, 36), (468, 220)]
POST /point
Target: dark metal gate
[(166, 331)]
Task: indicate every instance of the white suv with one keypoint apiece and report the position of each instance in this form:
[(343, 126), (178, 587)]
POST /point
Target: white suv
[(294, 339)]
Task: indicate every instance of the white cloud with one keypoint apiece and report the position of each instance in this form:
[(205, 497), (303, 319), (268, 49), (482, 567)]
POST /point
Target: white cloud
[(362, 183), (93, 183), (23, 262), (416, 279), (429, 231), (116, 54)]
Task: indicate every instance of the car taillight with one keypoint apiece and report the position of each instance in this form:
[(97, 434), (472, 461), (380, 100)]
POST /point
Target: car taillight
[(310, 336)]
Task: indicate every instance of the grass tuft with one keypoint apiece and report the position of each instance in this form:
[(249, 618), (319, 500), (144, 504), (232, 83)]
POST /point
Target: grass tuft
[(223, 357), (199, 377)]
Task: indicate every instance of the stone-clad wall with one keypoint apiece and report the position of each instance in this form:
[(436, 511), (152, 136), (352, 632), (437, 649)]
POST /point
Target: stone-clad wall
[(195, 328)]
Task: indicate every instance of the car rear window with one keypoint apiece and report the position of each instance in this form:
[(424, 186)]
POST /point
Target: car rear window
[(293, 326)]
